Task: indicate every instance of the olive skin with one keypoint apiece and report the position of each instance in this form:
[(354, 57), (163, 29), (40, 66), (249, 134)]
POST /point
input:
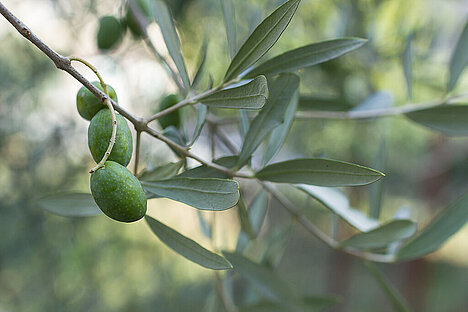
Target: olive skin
[(172, 119), (131, 20), (110, 33), (118, 193), (88, 104), (99, 135)]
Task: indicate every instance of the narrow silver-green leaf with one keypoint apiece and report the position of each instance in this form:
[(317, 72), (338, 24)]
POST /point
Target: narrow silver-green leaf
[(436, 234), (459, 59), (376, 189), (70, 204), (244, 122), (161, 172), (276, 246), (262, 39), (187, 247), (201, 68), (318, 171), (202, 111), (208, 172), (338, 203), (448, 119), (264, 279), (308, 55), (205, 226), (408, 66), (382, 236), (278, 135), (243, 214), (257, 211), (229, 23), (201, 193), (271, 116), (398, 301), (164, 19), (252, 95)]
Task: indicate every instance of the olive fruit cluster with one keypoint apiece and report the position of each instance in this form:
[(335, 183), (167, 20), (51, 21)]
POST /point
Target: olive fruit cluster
[(116, 191)]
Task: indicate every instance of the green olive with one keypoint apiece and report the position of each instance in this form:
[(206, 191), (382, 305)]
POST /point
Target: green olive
[(118, 193), (131, 20), (99, 135), (172, 119), (110, 33), (88, 104)]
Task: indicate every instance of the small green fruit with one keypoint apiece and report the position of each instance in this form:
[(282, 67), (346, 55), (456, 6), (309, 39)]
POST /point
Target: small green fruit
[(88, 104), (110, 33), (118, 193), (172, 119), (131, 20), (99, 135)]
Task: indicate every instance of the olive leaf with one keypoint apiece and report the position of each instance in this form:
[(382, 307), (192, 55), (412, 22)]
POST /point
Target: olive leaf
[(448, 119), (69, 204), (459, 59), (201, 193), (187, 247), (262, 39), (308, 55), (251, 95), (229, 22)]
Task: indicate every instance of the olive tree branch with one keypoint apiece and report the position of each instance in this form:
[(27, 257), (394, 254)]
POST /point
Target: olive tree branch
[(372, 113), (303, 220), (64, 63), (143, 24)]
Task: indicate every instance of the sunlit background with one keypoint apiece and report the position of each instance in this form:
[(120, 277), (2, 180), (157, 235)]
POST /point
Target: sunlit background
[(50, 263)]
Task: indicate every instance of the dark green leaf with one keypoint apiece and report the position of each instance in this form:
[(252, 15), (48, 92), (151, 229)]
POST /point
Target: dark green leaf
[(435, 234), (408, 66), (202, 111), (459, 59), (187, 247), (164, 19), (398, 301), (271, 116), (70, 204), (318, 171), (161, 172), (448, 119), (229, 22), (201, 193), (265, 280), (262, 39), (251, 95), (382, 236), (308, 55), (278, 135), (338, 203)]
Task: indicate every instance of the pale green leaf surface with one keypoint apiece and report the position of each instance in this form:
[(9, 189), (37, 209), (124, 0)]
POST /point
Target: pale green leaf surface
[(448, 119), (201, 193), (318, 171), (202, 111), (382, 236), (161, 172), (251, 95), (447, 223), (187, 247), (308, 55), (70, 204), (229, 23)]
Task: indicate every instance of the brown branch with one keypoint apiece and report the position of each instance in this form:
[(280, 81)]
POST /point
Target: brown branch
[(64, 64)]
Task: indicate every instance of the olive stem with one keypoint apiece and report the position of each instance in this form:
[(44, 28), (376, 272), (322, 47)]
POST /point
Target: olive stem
[(137, 151), (95, 71), (64, 63), (112, 139)]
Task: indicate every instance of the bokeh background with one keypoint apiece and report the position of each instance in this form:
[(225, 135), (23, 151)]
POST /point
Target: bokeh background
[(50, 263)]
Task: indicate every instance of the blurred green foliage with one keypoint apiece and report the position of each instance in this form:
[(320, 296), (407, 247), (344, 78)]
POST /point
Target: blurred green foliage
[(49, 263)]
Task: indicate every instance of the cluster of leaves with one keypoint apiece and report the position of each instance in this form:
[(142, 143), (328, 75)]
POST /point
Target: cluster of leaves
[(272, 88)]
